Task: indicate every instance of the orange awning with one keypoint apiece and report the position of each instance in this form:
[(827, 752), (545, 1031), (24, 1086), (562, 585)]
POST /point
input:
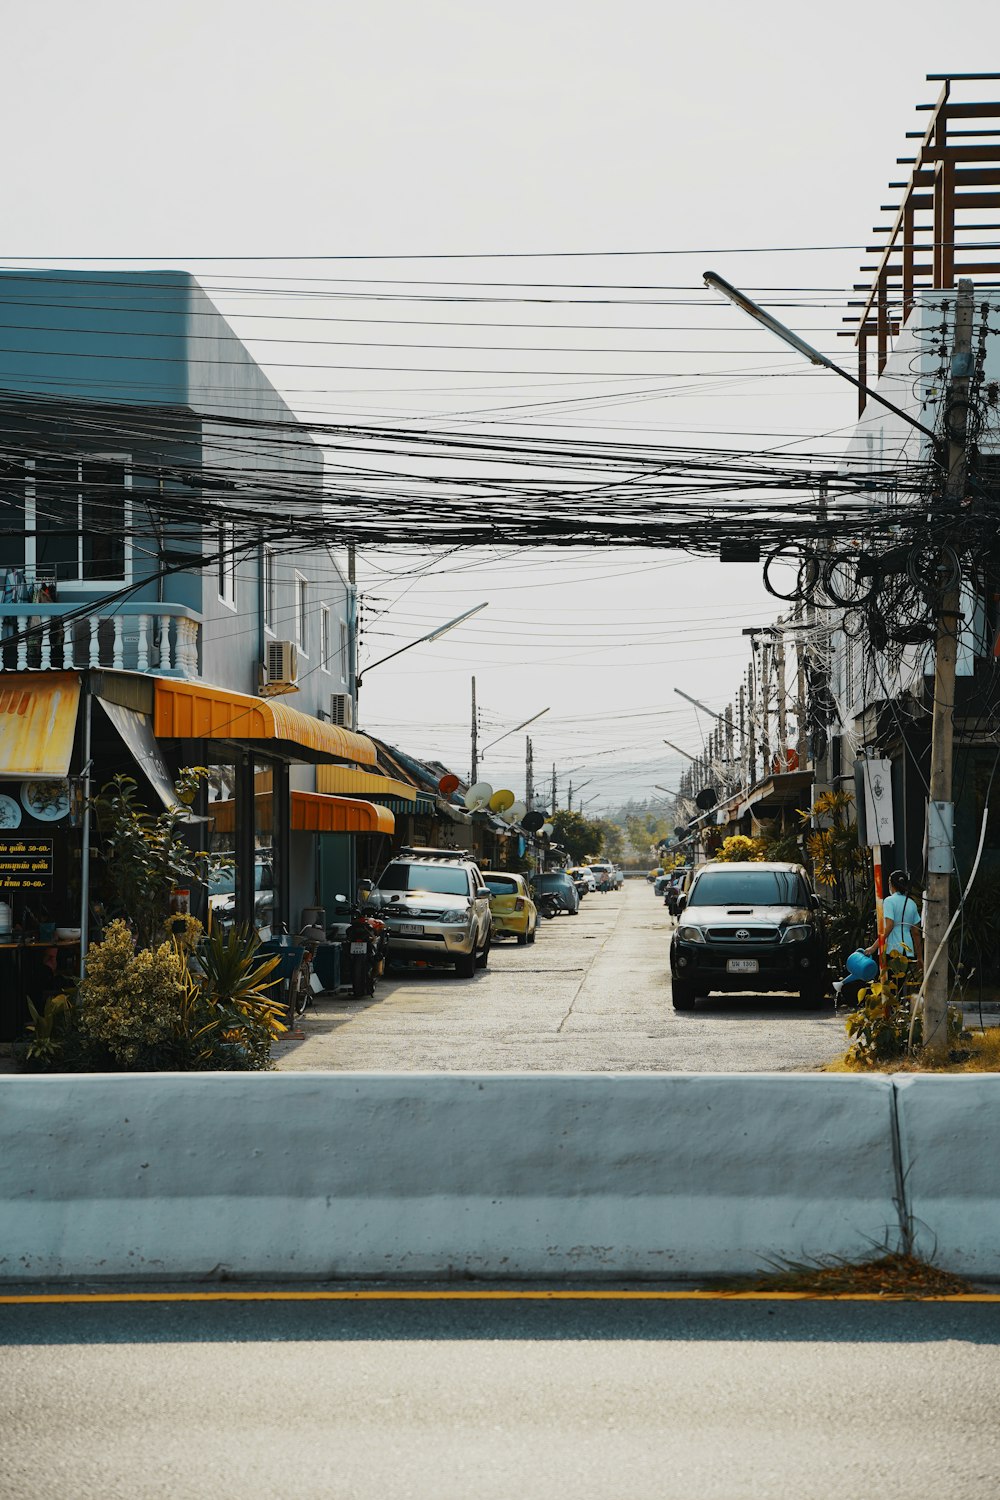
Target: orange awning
[(195, 711), (37, 722), (311, 812)]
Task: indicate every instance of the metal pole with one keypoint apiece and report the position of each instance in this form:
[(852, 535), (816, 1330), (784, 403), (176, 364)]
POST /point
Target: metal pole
[(765, 708), (940, 809), (553, 786), (85, 826), (475, 736), (752, 724), (529, 774), (779, 652)]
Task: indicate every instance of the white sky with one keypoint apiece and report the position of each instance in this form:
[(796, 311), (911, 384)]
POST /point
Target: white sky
[(233, 130)]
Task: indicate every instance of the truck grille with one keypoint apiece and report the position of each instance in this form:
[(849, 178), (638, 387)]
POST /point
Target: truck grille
[(742, 934)]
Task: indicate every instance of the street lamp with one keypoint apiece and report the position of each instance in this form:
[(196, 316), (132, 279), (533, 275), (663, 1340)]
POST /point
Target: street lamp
[(483, 751), (719, 284), (432, 635)]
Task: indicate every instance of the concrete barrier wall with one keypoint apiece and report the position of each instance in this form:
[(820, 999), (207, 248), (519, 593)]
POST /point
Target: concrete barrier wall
[(949, 1131), (432, 1175)]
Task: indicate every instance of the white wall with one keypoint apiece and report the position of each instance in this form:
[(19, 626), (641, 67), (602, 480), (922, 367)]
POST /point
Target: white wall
[(428, 1175)]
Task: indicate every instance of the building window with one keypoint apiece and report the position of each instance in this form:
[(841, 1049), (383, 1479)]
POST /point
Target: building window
[(301, 609), (343, 651), (324, 637), (75, 516), (227, 563), (267, 564)]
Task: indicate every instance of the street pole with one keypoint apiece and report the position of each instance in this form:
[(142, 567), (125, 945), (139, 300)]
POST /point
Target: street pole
[(765, 708), (802, 745), (529, 774), (553, 786), (940, 808), (729, 746), (475, 737), (569, 798), (752, 729), (779, 656)]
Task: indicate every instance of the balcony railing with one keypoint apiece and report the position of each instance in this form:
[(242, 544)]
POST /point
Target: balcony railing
[(160, 638)]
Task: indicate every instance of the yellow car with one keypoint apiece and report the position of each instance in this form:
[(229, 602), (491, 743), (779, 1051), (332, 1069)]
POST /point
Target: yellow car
[(514, 912)]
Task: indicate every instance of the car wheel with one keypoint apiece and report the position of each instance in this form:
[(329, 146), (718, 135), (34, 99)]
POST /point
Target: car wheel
[(532, 934), (575, 913), (523, 940), (482, 959), (682, 994), (465, 965)]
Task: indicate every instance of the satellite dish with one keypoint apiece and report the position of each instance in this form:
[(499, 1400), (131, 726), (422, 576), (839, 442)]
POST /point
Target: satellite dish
[(707, 798), (478, 796), (508, 816), (517, 812), (448, 784), (500, 801), (547, 830), (533, 821)]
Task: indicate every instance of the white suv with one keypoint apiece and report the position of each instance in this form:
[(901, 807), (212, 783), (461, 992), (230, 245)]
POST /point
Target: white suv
[(436, 907)]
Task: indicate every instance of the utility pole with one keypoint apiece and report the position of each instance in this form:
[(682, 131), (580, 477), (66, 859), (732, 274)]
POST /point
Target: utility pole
[(940, 808), (553, 786), (475, 736), (729, 746), (569, 798), (742, 726), (752, 728), (765, 708), (529, 773), (800, 693), (779, 654)]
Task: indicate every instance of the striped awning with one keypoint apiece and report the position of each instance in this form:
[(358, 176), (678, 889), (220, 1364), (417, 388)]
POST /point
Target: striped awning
[(310, 812), (38, 722), (197, 711)]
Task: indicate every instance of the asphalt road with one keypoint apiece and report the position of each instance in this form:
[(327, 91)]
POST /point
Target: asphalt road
[(447, 1400), (592, 995)]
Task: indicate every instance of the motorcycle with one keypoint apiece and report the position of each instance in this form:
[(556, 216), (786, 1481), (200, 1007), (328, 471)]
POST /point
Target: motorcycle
[(364, 946)]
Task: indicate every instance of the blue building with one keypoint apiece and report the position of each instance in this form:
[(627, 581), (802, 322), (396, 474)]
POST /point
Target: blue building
[(161, 601)]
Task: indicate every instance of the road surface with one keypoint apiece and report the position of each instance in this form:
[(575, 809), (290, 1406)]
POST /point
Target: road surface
[(444, 1400), (591, 995)]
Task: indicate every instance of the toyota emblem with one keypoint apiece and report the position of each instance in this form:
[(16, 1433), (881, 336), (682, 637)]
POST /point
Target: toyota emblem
[(741, 932)]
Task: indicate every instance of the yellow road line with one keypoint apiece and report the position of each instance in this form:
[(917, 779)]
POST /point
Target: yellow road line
[(398, 1295)]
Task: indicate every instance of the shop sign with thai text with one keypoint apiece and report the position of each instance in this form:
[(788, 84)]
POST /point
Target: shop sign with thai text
[(25, 864)]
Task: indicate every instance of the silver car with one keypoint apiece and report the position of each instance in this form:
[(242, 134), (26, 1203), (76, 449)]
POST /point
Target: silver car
[(436, 907)]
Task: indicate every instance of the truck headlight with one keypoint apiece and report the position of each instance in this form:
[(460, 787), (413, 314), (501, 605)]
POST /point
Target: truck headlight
[(796, 934), (690, 935), (455, 918)]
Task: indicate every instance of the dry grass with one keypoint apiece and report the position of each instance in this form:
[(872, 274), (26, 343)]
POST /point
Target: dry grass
[(979, 1054), (899, 1276)]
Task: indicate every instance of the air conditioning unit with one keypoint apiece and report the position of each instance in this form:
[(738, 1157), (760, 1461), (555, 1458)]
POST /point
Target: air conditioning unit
[(342, 710), (280, 667)]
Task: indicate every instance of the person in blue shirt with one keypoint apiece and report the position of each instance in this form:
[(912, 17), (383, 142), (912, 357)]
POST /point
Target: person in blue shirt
[(902, 920)]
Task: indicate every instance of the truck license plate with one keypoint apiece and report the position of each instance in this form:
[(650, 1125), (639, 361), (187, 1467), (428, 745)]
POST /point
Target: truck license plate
[(410, 929), (359, 947), (742, 965)]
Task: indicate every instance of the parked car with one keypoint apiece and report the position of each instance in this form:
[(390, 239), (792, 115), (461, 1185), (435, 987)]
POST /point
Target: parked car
[(514, 911), (602, 875), (436, 907), (582, 879), (748, 926), (222, 896), (660, 884), (561, 886), (676, 886)]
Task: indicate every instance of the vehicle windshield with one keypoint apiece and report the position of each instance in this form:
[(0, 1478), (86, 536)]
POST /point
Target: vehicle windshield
[(501, 885), (553, 882), (441, 880), (749, 888)]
